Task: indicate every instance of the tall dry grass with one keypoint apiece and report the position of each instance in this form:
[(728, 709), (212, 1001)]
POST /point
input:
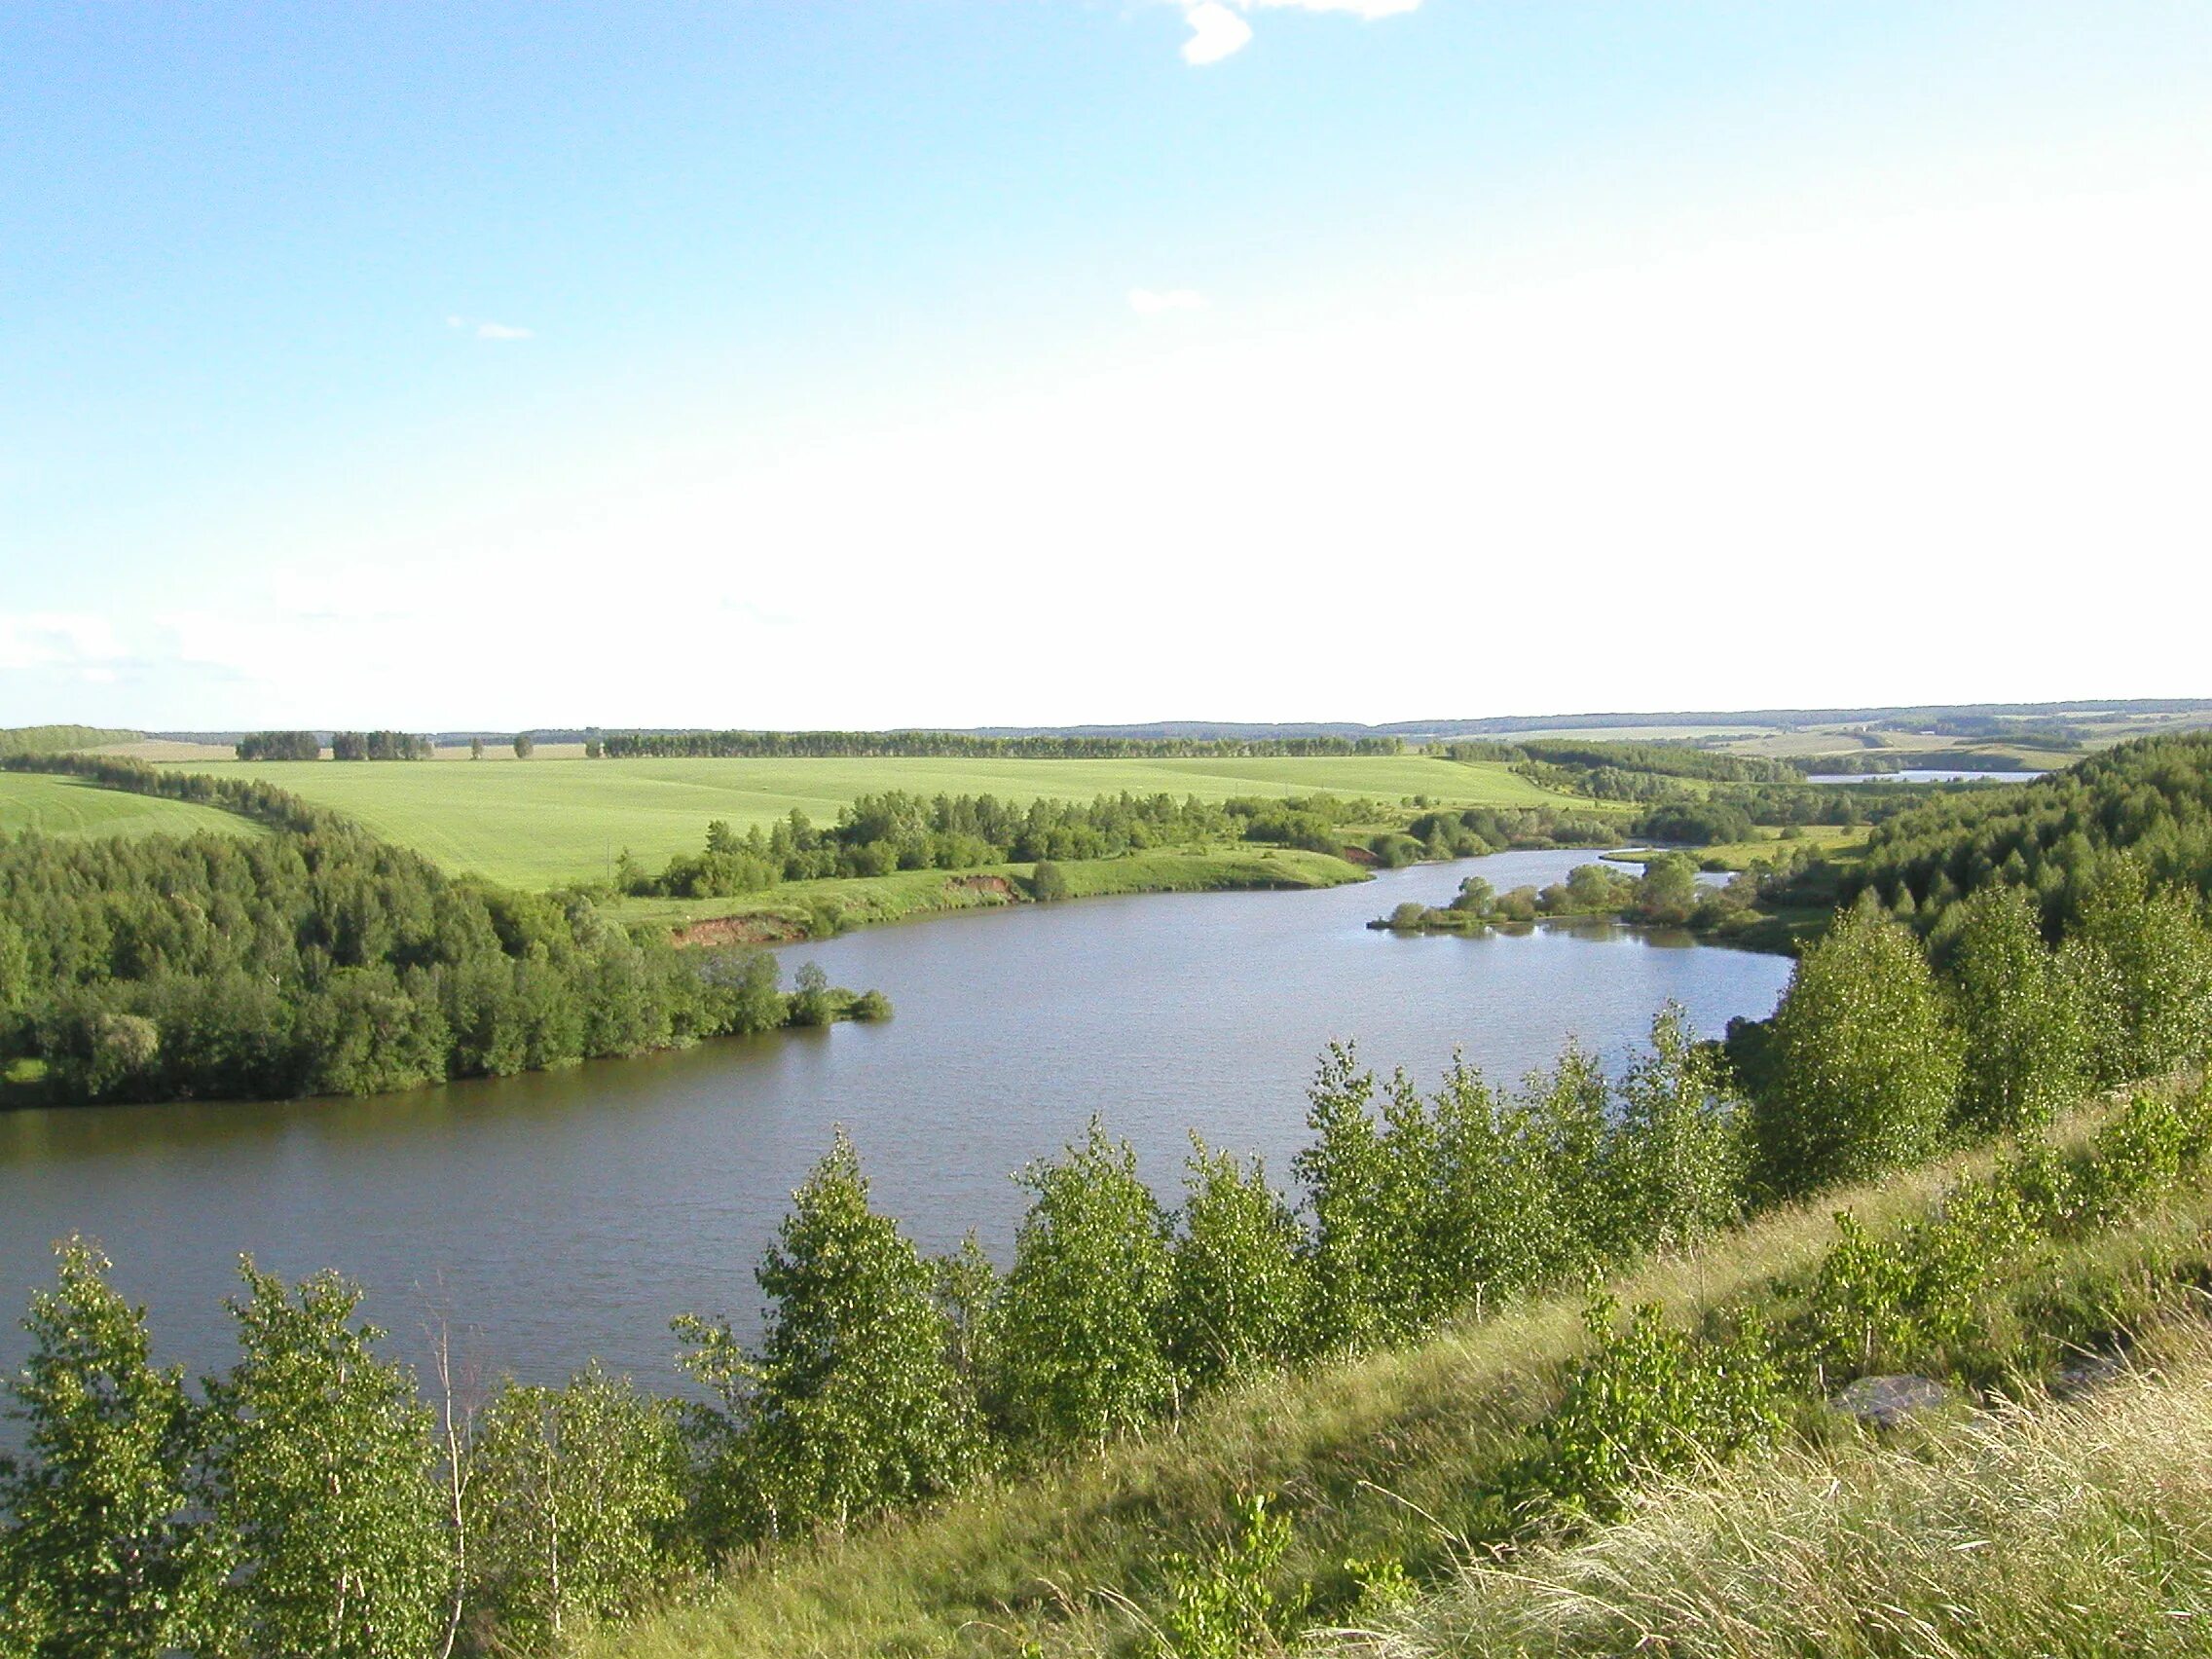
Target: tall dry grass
[(2079, 1529)]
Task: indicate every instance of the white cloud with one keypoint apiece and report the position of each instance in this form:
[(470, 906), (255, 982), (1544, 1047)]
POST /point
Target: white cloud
[(483, 330), (47, 639), (1217, 30), (1365, 9), (1158, 302)]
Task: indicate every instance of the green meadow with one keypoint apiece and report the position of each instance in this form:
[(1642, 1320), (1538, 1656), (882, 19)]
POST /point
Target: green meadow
[(547, 822), (68, 806)]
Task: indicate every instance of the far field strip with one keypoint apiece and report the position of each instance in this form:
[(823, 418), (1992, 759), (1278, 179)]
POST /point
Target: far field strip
[(545, 822), (69, 806)]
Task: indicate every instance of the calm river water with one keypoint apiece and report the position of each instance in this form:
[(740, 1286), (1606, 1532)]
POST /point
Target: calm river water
[(566, 1215)]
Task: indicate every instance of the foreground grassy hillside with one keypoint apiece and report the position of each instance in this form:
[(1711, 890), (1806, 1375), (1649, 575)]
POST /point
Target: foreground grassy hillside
[(72, 806), (1387, 1467), (553, 821)]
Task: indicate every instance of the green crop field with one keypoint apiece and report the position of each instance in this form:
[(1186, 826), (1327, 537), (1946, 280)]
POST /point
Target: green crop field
[(551, 821), (65, 806)]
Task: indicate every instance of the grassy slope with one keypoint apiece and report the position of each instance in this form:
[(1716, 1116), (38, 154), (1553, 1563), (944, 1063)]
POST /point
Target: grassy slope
[(554, 821), (2083, 1528), (53, 739), (68, 807), (1379, 1457)]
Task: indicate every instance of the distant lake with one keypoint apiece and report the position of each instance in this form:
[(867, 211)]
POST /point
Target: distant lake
[(1921, 775), (570, 1214)]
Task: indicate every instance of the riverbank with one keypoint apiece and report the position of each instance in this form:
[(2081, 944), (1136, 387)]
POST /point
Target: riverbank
[(819, 910)]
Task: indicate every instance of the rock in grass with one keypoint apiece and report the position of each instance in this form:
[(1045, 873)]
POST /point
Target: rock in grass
[(1886, 1401)]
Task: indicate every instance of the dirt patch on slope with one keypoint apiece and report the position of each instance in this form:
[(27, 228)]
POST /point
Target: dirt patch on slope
[(739, 929), (1003, 890)]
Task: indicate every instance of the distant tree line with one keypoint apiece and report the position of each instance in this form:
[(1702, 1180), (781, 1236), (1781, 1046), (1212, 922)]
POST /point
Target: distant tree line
[(361, 746), (790, 745), (1548, 758), (318, 960), (379, 745), (879, 833), (2008, 728), (279, 746)]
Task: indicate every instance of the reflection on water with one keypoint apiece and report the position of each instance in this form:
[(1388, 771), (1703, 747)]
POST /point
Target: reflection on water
[(569, 1214)]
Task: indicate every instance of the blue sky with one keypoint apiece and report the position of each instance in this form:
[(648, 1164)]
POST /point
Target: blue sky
[(979, 361)]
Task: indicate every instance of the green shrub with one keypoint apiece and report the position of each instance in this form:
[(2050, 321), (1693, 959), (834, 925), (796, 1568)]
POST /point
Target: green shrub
[(1650, 1399), (1224, 1604)]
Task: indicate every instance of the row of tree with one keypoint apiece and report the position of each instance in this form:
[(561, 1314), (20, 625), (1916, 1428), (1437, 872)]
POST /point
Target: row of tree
[(279, 746), (791, 745), (359, 745), (878, 833), (897, 830), (344, 746), (1604, 768), (381, 745)]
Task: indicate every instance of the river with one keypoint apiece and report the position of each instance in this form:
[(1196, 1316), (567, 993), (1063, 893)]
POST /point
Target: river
[(563, 1215)]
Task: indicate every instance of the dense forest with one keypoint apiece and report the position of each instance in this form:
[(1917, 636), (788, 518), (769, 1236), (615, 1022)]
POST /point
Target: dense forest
[(317, 960), (790, 745), (2057, 838)]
